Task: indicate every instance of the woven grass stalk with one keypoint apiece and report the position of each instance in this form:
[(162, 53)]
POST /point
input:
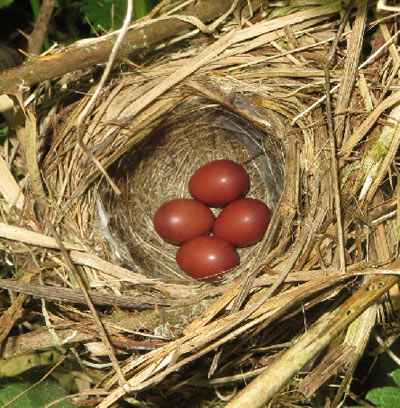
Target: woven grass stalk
[(256, 95)]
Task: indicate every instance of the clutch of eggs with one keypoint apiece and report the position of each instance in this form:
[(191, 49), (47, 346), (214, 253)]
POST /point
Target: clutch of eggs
[(242, 221)]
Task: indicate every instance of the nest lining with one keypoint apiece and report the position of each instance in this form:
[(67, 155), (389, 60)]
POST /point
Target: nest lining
[(159, 171)]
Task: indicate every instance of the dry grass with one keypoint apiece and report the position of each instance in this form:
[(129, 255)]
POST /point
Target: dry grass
[(257, 94)]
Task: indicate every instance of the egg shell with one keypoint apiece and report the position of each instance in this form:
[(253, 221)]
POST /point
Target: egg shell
[(243, 222), (207, 257), (181, 220), (219, 182)]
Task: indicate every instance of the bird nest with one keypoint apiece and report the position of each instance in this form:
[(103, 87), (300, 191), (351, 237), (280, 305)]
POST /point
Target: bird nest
[(242, 98)]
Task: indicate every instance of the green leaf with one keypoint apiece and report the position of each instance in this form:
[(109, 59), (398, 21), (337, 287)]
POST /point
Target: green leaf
[(109, 14), (385, 397), (35, 5), (37, 397), (396, 376), (104, 14), (142, 7), (17, 365), (5, 3)]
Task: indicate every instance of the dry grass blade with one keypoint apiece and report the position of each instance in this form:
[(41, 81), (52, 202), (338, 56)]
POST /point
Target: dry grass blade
[(261, 390), (350, 69), (206, 56), (388, 144), (229, 328), (332, 364), (19, 234), (358, 333), (9, 188), (333, 141), (367, 124), (108, 268), (28, 138), (281, 22)]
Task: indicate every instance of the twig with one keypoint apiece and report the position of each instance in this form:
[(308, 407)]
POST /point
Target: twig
[(76, 296), (38, 35), (332, 142), (90, 105), (84, 54), (389, 352), (82, 284)]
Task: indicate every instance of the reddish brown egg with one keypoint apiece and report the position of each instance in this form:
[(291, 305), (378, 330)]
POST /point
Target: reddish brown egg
[(206, 257), (180, 220), (243, 222), (219, 182)]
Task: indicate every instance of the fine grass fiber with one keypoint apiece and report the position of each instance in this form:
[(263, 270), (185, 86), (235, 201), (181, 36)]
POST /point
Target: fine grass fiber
[(159, 171)]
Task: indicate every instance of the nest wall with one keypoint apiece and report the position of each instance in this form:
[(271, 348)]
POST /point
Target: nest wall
[(154, 165)]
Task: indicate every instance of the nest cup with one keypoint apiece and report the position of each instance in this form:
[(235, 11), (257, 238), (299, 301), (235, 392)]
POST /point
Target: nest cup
[(160, 168)]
